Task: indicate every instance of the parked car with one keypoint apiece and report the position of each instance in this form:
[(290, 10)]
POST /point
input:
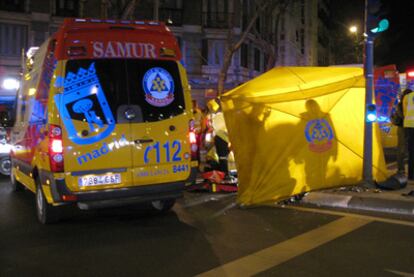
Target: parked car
[(5, 148)]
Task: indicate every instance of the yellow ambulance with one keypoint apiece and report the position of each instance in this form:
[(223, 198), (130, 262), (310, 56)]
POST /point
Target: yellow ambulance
[(103, 118)]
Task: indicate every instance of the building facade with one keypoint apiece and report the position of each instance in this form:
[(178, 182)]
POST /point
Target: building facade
[(290, 34)]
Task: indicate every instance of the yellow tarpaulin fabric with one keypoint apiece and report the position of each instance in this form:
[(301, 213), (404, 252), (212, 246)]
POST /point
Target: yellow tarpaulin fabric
[(296, 129)]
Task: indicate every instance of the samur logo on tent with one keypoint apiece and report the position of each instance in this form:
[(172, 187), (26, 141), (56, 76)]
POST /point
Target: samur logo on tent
[(319, 134)]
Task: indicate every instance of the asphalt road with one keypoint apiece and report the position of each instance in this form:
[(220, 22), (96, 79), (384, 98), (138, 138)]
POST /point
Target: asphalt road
[(204, 235)]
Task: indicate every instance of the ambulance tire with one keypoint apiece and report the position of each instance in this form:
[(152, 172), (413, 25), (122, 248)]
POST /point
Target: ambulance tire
[(163, 205), (15, 185), (46, 213)]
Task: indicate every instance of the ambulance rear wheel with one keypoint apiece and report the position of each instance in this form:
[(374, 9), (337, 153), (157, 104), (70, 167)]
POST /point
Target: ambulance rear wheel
[(163, 205), (46, 213)]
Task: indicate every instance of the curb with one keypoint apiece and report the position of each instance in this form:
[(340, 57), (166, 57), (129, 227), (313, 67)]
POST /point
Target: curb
[(323, 199)]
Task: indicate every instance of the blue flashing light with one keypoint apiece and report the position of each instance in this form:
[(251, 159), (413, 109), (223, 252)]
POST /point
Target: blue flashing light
[(371, 113)]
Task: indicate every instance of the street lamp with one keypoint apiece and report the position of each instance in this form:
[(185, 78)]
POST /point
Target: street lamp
[(354, 30)]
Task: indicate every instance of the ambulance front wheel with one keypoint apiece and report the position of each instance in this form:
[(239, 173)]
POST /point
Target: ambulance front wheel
[(163, 205), (46, 213)]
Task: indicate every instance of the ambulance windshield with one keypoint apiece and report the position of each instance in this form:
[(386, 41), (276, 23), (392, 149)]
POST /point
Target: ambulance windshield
[(97, 89)]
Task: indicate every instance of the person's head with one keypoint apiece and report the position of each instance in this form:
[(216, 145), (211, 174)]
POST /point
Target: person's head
[(312, 106)]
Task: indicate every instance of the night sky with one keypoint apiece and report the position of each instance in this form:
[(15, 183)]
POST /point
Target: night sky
[(394, 46)]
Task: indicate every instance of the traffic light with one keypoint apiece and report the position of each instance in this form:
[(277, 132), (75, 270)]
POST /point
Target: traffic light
[(371, 113), (375, 24)]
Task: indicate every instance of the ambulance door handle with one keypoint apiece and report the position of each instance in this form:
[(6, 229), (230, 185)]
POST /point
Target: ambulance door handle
[(138, 141)]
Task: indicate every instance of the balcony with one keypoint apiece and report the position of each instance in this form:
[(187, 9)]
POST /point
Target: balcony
[(172, 17), (216, 20)]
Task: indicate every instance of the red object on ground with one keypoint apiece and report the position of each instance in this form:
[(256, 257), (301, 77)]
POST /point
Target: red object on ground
[(214, 176), (214, 182)]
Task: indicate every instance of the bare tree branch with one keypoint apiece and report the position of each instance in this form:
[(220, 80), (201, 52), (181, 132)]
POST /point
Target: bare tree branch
[(232, 48), (129, 9)]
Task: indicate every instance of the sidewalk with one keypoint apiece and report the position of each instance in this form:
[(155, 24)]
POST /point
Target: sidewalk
[(358, 198)]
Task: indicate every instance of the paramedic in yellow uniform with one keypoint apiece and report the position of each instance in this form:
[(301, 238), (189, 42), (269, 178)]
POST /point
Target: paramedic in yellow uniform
[(408, 110), (221, 138)]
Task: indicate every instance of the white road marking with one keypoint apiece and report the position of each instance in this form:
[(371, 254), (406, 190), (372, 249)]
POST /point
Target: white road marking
[(400, 273), (272, 256), (366, 217)]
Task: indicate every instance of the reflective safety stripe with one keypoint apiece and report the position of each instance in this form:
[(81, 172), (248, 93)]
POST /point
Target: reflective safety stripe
[(409, 110)]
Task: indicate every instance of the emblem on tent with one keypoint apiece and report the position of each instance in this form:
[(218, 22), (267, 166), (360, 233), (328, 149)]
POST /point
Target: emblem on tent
[(319, 135), (159, 87), (83, 100)]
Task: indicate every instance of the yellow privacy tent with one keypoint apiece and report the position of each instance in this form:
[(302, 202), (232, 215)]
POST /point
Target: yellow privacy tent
[(296, 129)]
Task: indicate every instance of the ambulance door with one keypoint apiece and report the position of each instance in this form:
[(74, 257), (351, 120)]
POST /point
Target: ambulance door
[(159, 130), (96, 133)]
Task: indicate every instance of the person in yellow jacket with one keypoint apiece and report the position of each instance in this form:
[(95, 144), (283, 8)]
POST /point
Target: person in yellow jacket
[(408, 111), (198, 126), (221, 138)]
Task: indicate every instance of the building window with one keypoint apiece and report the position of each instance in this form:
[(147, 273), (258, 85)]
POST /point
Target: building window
[(302, 41), (217, 14), (257, 59), (244, 56), (302, 12), (12, 5), (170, 11), (13, 38), (258, 25), (215, 52), (245, 12), (67, 7), (204, 52), (282, 23)]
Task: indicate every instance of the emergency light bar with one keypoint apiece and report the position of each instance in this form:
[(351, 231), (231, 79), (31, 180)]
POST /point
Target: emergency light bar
[(113, 21)]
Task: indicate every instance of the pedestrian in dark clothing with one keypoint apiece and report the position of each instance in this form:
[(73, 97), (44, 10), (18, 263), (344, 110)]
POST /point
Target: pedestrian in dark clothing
[(397, 119)]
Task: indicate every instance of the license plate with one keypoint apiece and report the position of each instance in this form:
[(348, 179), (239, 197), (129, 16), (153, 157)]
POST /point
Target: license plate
[(97, 180)]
